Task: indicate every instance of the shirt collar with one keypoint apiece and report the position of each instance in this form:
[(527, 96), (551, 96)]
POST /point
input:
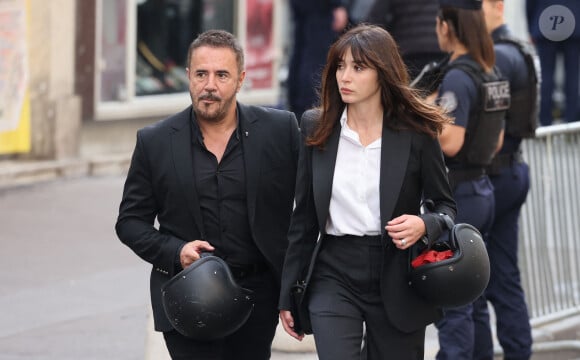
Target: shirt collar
[(348, 133), (196, 131), (500, 32), (343, 117)]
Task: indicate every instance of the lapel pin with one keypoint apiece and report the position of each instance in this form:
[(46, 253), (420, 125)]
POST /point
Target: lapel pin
[(246, 134)]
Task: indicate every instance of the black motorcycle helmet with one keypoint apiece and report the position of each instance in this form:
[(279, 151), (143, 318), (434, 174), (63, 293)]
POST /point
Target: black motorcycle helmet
[(460, 279), (204, 302)]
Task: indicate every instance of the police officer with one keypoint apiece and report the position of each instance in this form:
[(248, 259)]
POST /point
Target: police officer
[(510, 178), (554, 29), (474, 95), (316, 25)]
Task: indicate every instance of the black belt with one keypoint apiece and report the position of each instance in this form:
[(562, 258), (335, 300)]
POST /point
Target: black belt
[(354, 237), (364, 240), (501, 161), (459, 175), (242, 271)]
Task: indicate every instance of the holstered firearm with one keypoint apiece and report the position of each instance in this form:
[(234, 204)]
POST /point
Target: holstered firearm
[(430, 77)]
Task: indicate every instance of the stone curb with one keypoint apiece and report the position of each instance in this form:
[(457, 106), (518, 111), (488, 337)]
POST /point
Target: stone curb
[(26, 172)]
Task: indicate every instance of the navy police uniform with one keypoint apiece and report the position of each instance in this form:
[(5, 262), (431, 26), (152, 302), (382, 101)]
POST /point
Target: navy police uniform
[(477, 102), (313, 36), (475, 200), (568, 12), (510, 178)]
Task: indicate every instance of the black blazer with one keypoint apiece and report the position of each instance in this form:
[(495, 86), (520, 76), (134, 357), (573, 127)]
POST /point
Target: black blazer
[(160, 185), (411, 166)]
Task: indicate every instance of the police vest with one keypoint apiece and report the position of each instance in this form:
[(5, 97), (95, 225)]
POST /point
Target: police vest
[(486, 119), (522, 116)]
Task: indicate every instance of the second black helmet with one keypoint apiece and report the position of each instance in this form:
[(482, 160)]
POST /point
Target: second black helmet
[(459, 279)]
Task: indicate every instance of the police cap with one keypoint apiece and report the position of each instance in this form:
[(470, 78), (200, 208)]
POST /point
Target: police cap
[(462, 4)]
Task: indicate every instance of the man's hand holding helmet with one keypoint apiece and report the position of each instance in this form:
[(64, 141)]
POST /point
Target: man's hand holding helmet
[(192, 250)]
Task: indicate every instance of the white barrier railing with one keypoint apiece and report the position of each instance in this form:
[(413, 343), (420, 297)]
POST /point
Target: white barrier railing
[(550, 223)]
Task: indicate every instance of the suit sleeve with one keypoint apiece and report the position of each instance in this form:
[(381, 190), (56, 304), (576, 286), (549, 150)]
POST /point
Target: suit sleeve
[(436, 188), (303, 231), (137, 213)]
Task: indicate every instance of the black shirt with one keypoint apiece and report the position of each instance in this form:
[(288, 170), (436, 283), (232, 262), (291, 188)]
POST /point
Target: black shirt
[(222, 199)]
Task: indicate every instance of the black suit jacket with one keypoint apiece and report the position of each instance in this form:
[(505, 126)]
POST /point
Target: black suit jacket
[(160, 185), (411, 167)]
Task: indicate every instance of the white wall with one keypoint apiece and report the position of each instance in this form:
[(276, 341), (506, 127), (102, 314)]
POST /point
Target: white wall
[(515, 16)]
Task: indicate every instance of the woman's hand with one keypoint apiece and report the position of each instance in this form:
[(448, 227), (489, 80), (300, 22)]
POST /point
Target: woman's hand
[(288, 324), (405, 230)]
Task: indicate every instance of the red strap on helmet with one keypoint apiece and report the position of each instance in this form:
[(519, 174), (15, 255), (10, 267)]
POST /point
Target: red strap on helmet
[(430, 256)]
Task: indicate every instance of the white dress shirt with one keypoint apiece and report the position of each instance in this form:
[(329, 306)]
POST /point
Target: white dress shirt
[(355, 201)]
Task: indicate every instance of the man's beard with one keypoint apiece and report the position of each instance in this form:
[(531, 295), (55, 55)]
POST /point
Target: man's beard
[(223, 105)]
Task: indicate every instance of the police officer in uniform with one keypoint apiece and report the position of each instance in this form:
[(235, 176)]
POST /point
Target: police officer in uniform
[(563, 41), (510, 178), (317, 25), (474, 95)]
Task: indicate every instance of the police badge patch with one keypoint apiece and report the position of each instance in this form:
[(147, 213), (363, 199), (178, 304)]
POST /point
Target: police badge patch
[(497, 95), (448, 101)]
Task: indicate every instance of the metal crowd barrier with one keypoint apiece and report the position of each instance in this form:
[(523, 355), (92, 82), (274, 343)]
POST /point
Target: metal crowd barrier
[(549, 244)]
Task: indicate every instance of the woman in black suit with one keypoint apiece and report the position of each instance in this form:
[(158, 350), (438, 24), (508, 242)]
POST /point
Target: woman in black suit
[(369, 157)]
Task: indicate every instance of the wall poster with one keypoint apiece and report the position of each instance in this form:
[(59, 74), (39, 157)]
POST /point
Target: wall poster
[(259, 47), (14, 95)]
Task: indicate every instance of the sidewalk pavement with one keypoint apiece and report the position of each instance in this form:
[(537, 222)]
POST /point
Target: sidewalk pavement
[(23, 172), (15, 173), (556, 339), (547, 344), (284, 347)]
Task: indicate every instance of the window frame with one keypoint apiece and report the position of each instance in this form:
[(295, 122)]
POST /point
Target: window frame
[(144, 106)]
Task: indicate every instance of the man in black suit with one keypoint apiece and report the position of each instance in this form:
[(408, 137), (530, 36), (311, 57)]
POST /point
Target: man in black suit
[(218, 177)]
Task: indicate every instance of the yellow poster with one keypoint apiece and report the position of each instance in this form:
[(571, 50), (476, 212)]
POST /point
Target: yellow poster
[(14, 99)]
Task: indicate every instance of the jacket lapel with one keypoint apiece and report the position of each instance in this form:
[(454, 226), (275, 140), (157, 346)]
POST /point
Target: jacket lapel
[(323, 163), (180, 140), (395, 150), (251, 143)]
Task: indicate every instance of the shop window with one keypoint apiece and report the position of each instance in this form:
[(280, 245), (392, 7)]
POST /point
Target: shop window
[(165, 28), (141, 50), (113, 48)]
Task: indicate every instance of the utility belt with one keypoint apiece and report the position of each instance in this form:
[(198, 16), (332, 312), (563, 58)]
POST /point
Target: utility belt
[(457, 176), (240, 271), (501, 161)]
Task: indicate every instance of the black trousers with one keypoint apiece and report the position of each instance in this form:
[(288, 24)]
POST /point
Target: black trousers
[(345, 297), (253, 341)]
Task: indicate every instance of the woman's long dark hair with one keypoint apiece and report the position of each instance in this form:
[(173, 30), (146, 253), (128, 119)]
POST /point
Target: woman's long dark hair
[(404, 108), (469, 28)]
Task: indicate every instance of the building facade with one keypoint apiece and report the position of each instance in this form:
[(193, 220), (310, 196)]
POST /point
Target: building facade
[(85, 74)]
